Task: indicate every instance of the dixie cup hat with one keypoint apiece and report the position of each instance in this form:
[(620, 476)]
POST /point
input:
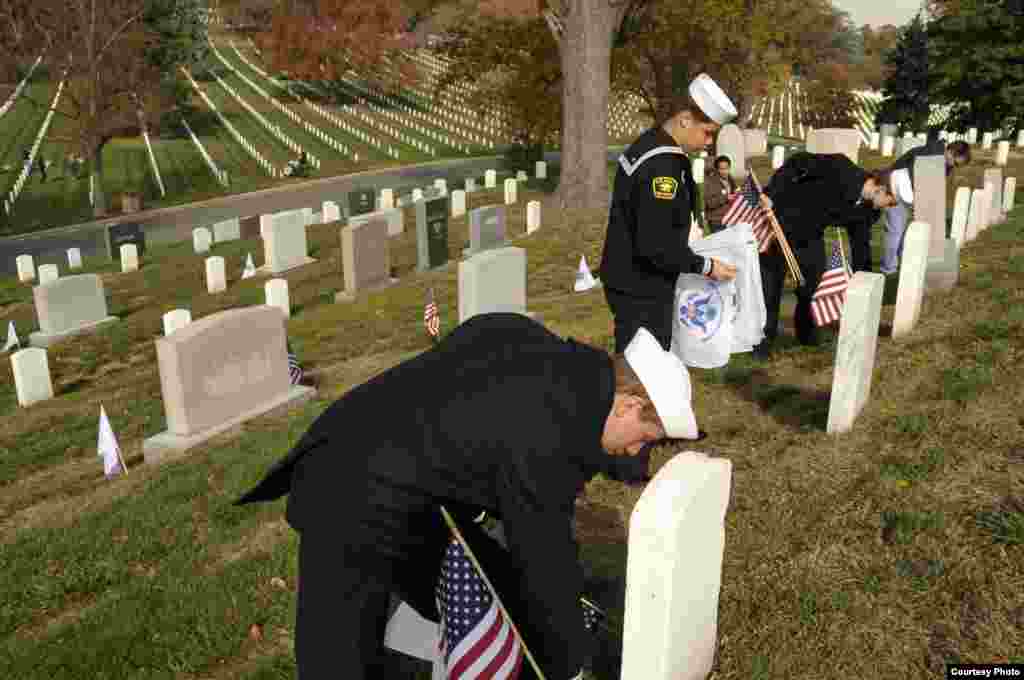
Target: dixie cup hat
[(715, 104), (667, 382)]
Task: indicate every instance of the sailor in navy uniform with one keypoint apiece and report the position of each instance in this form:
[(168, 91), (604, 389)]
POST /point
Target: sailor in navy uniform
[(646, 247)]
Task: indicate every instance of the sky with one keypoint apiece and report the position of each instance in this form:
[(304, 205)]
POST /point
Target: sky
[(879, 12)]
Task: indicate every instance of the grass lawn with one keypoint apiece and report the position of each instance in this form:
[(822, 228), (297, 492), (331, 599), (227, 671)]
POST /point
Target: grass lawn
[(885, 552)]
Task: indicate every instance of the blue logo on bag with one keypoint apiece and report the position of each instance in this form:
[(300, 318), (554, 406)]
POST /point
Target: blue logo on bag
[(700, 311)]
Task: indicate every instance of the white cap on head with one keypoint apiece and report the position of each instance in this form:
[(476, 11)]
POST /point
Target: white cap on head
[(901, 186), (667, 382), (712, 100)]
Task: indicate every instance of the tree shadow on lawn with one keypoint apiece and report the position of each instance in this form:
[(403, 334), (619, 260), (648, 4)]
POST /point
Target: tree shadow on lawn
[(796, 406)]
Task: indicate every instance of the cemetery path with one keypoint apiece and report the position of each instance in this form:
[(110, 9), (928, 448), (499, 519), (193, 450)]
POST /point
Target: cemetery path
[(175, 223)]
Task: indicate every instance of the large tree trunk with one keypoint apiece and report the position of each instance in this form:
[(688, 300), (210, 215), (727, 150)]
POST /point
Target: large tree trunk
[(586, 48)]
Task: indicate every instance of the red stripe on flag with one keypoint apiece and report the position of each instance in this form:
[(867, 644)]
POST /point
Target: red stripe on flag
[(464, 662)]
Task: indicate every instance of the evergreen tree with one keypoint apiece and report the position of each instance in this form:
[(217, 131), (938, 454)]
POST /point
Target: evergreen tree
[(906, 85)]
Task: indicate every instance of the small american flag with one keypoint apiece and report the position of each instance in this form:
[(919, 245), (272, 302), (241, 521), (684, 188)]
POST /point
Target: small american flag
[(430, 316), (746, 208), (827, 303), (477, 641), (294, 369)]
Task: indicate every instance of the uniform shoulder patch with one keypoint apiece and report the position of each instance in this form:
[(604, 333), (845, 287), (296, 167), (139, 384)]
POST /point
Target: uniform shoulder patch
[(665, 187)]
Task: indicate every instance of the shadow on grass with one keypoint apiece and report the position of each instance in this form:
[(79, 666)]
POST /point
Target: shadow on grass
[(795, 406)]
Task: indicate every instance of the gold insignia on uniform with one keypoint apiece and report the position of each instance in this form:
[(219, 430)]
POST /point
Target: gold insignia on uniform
[(665, 187)]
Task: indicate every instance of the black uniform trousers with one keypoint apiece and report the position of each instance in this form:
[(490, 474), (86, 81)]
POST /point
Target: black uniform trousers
[(630, 313), (810, 255), (343, 607)]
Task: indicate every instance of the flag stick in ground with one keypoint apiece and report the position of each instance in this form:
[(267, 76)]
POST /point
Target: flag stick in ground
[(106, 444), (490, 586), (432, 319), (794, 267)]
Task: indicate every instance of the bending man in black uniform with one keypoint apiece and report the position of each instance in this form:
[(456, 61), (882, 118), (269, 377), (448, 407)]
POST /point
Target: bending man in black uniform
[(647, 244), (501, 416), (809, 193)]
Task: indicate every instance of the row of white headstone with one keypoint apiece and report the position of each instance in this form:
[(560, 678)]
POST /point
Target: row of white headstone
[(20, 87), (26, 167)]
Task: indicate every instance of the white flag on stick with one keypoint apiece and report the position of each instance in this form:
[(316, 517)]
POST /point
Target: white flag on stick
[(250, 268), (12, 338), (107, 448), (584, 279)]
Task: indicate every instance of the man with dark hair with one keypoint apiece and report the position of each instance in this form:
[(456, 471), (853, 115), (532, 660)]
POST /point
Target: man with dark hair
[(501, 416), (957, 154), (647, 244), (809, 193), (719, 189)]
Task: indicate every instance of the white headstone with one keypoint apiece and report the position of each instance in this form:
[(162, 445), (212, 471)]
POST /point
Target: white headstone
[(32, 381), (521, 176), (216, 279), (930, 199), (532, 216), (26, 268), (855, 350), (674, 570), (492, 281), (490, 179), (972, 136), (458, 203), (276, 291), (730, 143), (129, 258), (778, 157), (48, 273), (74, 258), (510, 191), (975, 215), (470, 185), (835, 140), (875, 141), (285, 244), (331, 212), (201, 240), (913, 267), (960, 205), (227, 230), (441, 185), (1002, 152), (541, 169), (1009, 193), (988, 219), (1020, 139), (175, 319), (387, 199), (994, 177), (986, 141), (417, 195)]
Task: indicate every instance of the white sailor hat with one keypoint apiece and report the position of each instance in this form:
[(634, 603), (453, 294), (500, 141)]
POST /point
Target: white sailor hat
[(712, 100), (667, 382), (901, 186)]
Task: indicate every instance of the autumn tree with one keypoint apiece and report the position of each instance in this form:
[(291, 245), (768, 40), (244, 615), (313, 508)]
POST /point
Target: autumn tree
[(512, 60), (829, 102), (872, 72), (113, 57)]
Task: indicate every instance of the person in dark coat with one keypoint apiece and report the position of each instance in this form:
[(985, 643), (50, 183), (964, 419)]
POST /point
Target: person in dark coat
[(502, 417), (957, 154), (647, 244), (809, 193), (719, 190)]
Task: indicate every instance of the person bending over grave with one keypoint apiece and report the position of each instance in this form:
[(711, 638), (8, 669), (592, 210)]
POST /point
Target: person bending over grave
[(957, 154), (647, 244), (502, 417), (809, 193)]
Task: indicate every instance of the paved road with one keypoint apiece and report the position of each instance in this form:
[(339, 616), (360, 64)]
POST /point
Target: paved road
[(167, 225)]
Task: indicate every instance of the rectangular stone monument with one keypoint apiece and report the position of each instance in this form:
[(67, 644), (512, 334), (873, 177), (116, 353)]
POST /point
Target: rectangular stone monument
[(755, 142), (202, 239), (486, 229), (458, 203), (393, 216), (365, 258), (674, 570), (510, 191), (218, 372), (124, 233), (275, 292), (1009, 193), (490, 179), (887, 146), (362, 201), (532, 216), (431, 233), (975, 215), (74, 258), (227, 230), (129, 258), (730, 143), (913, 267), (69, 306), (961, 203), (175, 319), (944, 272), (32, 382), (470, 185), (855, 350), (330, 212), (1002, 152), (493, 281), (541, 169), (387, 199), (285, 244), (216, 279), (994, 176), (835, 140), (48, 273), (778, 157), (930, 199)]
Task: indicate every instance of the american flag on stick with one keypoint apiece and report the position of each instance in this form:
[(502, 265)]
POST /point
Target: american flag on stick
[(294, 369), (431, 318), (746, 208), (827, 303)]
